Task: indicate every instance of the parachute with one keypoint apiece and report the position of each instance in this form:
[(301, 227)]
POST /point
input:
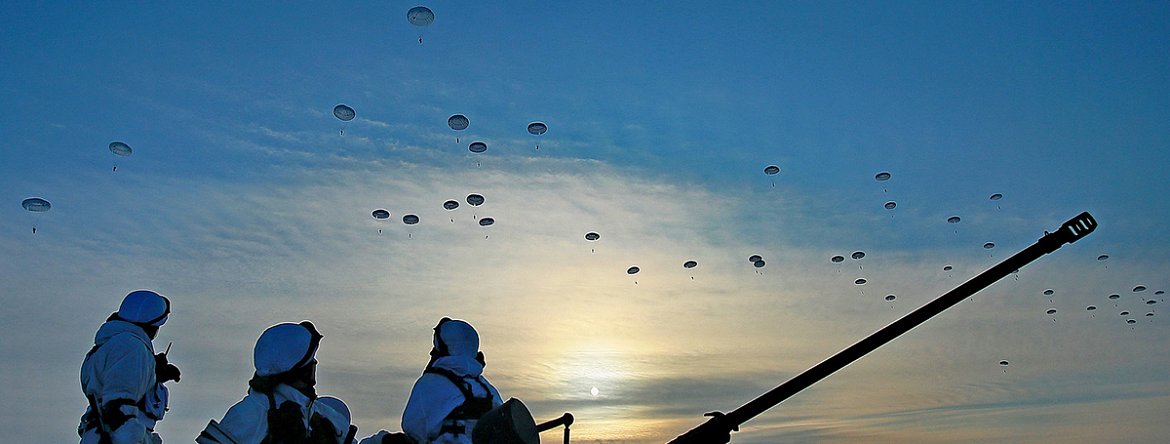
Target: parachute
[(475, 200), (890, 297), (1103, 257), (486, 222), (380, 214), (1139, 288), (759, 264), (882, 176), (690, 264), (633, 270), (1114, 296), (120, 148), (857, 255), (1130, 321), (410, 219), (1151, 302), (1124, 313), (592, 236), (837, 259), (755, 258), (953, 219), (860, 281), (1051, 311), (891, 205), (1091, 308), (450, 204), (1048, 292), (36, 205), (772, 170), (458, 122), (477, 147), (1004, 363), (989, 245), (420, 16), (996, 196), (948, 268), (343, 112), (536, 129)]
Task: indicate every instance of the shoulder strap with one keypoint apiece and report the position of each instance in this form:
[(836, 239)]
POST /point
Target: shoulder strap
[(460, 382)]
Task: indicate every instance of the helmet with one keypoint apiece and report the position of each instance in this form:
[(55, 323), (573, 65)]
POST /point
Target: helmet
[(145, 307), (285, 346), (337, 405), (454, 337)]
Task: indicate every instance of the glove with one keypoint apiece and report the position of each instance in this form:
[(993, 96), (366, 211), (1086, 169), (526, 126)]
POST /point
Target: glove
[(165, 371)]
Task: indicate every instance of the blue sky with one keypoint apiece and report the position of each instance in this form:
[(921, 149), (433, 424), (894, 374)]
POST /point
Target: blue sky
[(244, 204)]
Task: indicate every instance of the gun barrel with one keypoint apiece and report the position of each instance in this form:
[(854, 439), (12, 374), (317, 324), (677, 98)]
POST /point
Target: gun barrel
[(721, 424)]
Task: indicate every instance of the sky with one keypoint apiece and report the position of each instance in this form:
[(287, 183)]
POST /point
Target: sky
[(247, 203)]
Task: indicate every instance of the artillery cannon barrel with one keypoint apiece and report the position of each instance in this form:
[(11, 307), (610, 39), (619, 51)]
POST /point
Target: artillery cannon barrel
[(719, 427)]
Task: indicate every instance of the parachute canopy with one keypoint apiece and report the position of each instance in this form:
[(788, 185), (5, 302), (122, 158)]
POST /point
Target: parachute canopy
[(633, 270), (1151, 302), (989, 245), (690, 264), (858, 254), (771, 170), (953, 219), (1051, 311), (36, 205), (891, 205), (451, 204), (890, 297), (755, 258), (1103, 257), (410, 219), (592, 236), (1091, 308), (1003, 363), (1130, 321), (1114, 296), (996, 196), (120, 148), (1048, 292), (882, 176), (477, 147), (486, 222), (1139, 288), (948, 268), (837, 259), (420, 16), (475, 200), (860, 281), (380, 214), (537, 128), (343, 112), (1124, 313), (458, 122), (759, 264)]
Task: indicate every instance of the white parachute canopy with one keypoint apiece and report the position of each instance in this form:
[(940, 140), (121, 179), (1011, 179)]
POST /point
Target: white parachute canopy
[(36, 205), (344, 112), (420, 16)]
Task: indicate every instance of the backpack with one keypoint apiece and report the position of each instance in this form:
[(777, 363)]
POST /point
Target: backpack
[(473, 407)]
